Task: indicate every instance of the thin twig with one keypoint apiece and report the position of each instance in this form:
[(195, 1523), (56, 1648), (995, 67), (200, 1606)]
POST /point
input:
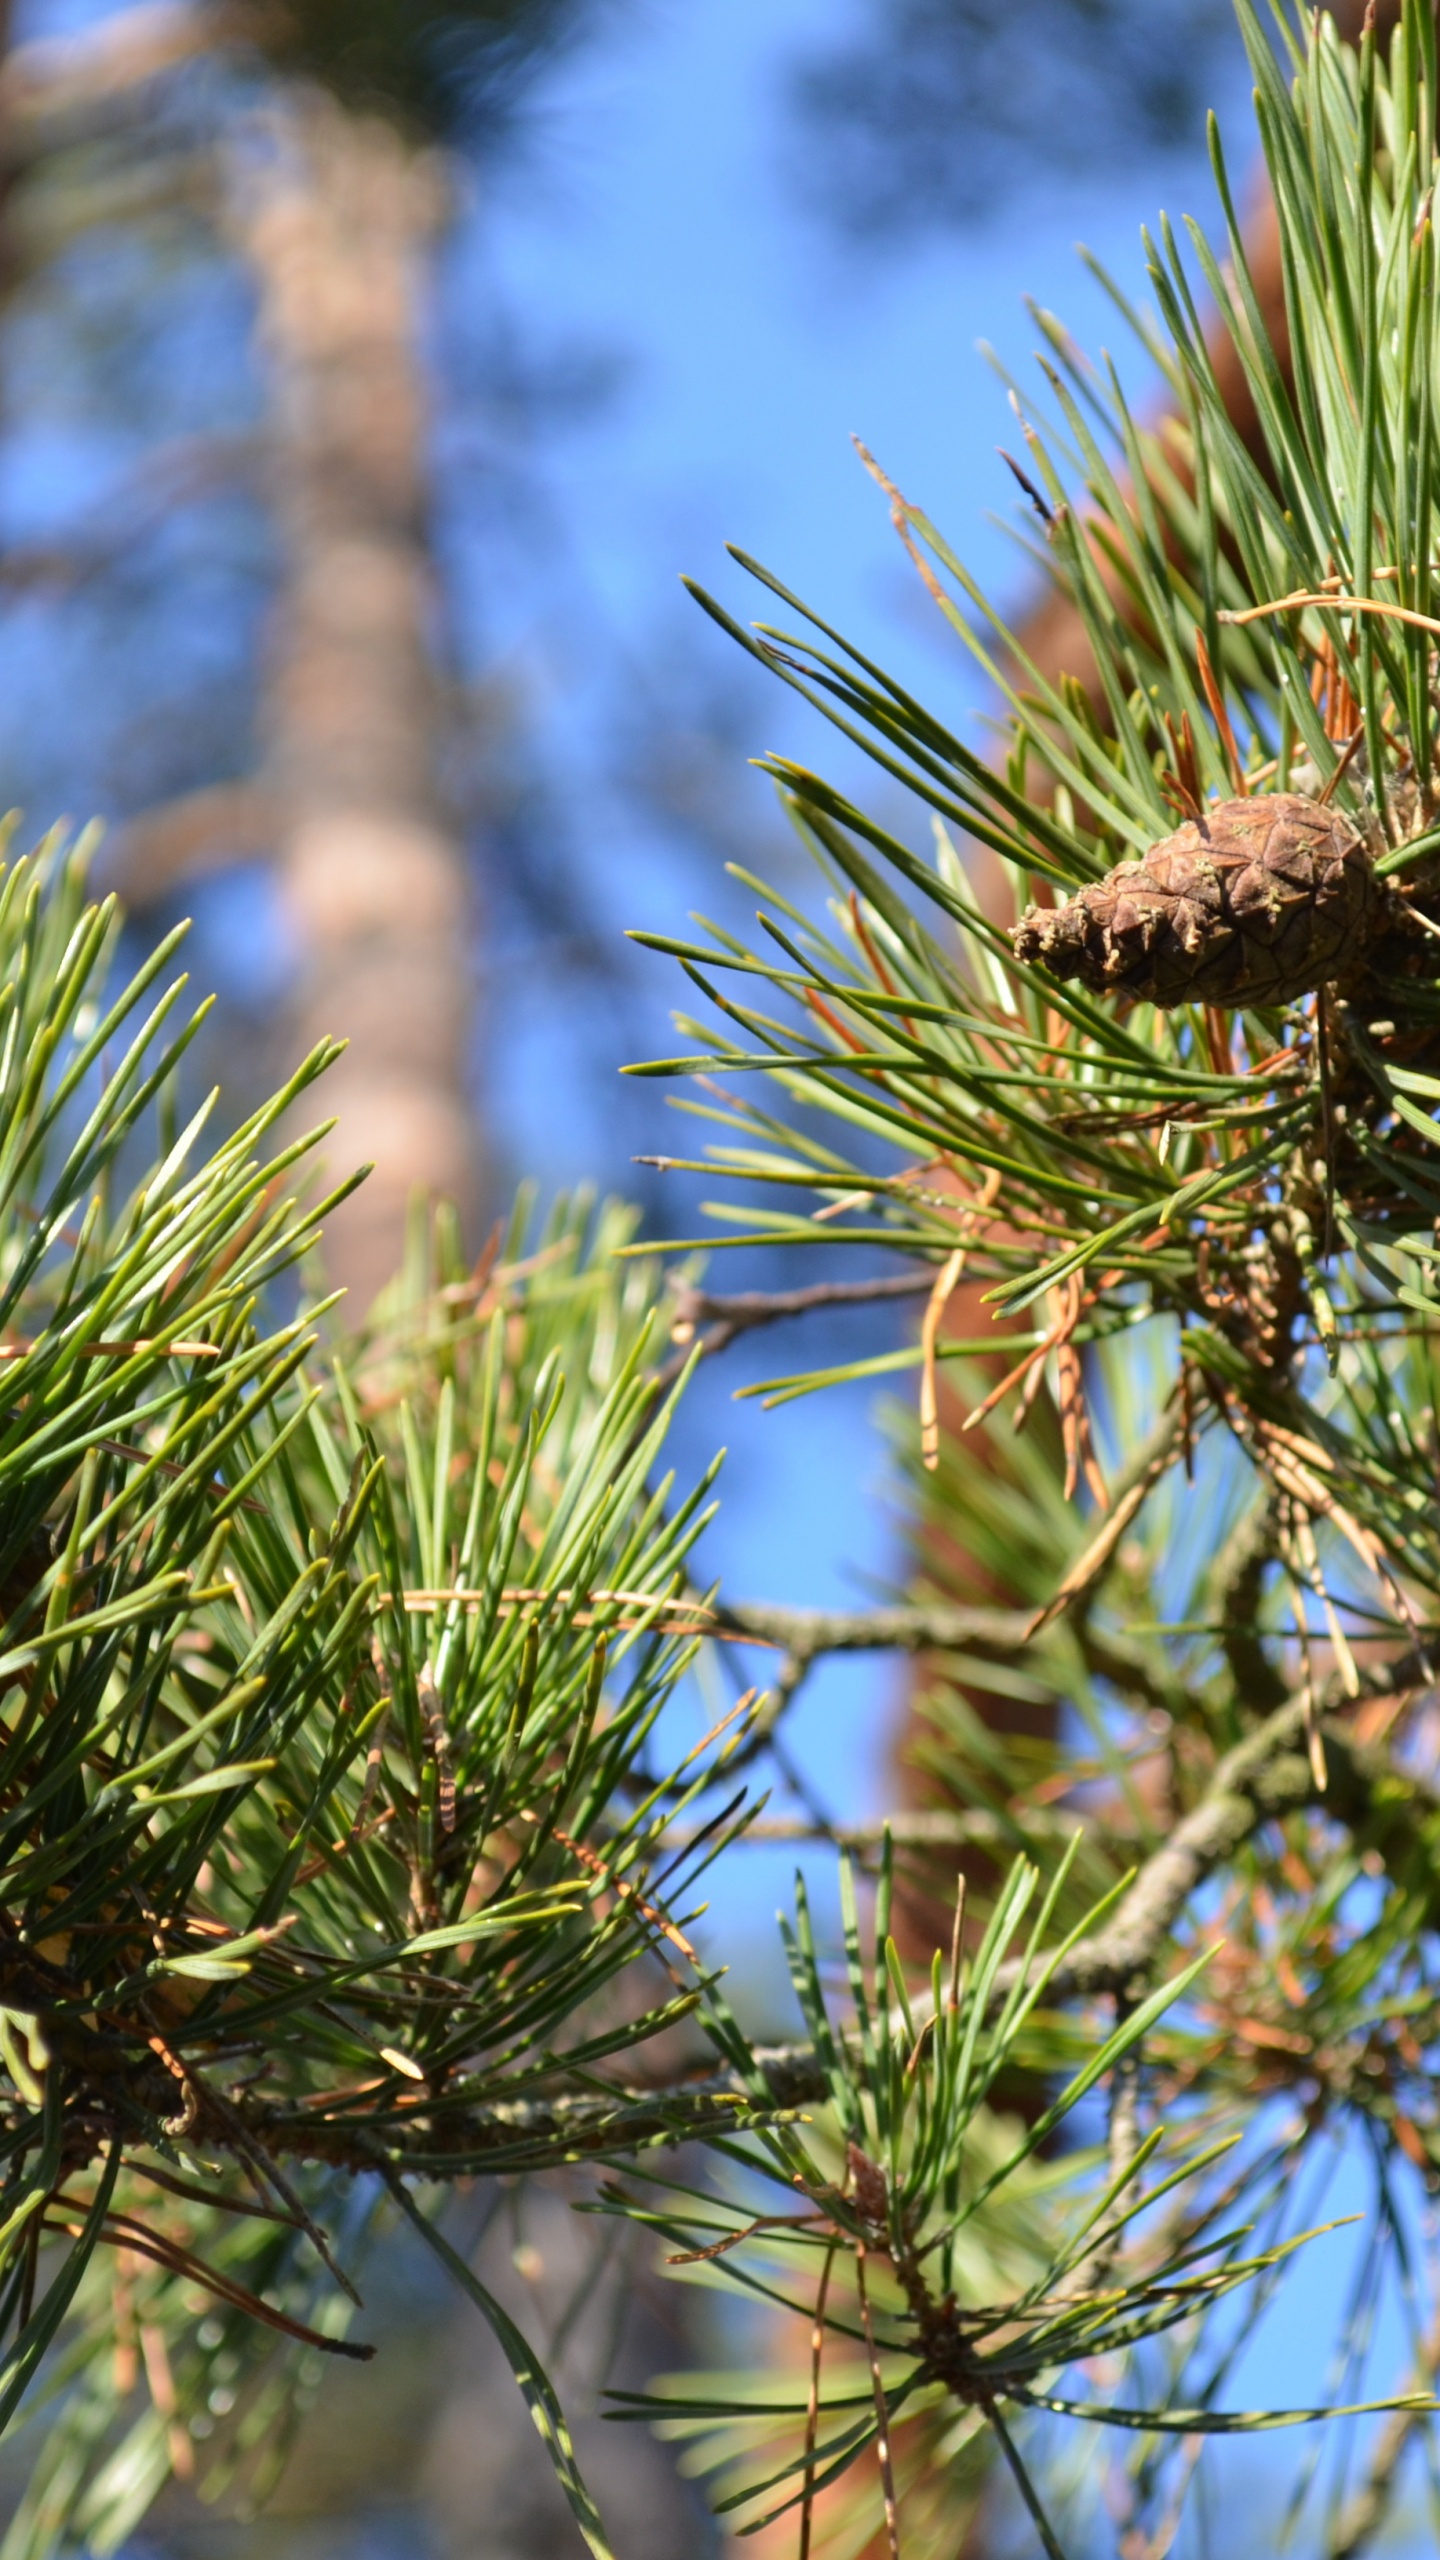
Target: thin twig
[(1266, 1776), (1122, 2144), (729, 1317), (748, 1308), (773, 1706), (909, 1627), (929, 1827), (445, 2135)]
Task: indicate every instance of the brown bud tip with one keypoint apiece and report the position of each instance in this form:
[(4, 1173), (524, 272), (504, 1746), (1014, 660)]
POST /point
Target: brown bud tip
[(1255, 904), (871, 2193)]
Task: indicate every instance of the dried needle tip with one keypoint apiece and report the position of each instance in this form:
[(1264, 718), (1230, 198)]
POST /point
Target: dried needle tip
[(1255, 903)]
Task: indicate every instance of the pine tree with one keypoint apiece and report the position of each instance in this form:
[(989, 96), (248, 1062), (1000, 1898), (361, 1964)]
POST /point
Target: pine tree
[(341, 1861)]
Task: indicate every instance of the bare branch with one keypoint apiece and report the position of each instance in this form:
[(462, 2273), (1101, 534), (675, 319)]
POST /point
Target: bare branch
[(728, 1317), (910, 1627), (940, 1626), (929, 1827), (56, 89), (1122, 2145), (445, 2134), (451, 2140), (752, 1307), (202, 831), (803, 1635), (1264, 1777)]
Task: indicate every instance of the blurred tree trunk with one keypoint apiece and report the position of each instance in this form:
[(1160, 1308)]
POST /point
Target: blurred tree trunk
[(334, 214)]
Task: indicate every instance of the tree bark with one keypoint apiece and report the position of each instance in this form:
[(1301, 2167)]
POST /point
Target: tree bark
[(334, 214)]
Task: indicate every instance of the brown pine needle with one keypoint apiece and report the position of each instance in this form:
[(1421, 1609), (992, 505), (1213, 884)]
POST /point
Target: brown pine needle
[(121, 2230), (1013, 1378), (812, 2406), (596, 1866), (1348, 754), (1094, 1558), (1070, 1397), (901, 513), (732, 2239), (1310, 1563), (1221, 716), (938, 1300), (161, 2382), (882, 2413), (1338, 604)]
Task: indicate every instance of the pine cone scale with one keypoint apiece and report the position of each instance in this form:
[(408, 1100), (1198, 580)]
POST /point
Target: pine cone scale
[(1257, 903)]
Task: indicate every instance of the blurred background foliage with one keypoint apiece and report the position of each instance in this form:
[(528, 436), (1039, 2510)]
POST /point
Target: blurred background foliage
[(459, 74), (922, 114)]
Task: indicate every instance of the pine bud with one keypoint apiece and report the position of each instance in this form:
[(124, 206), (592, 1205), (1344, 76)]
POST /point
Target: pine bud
[(871, 2192), (1254, 903)]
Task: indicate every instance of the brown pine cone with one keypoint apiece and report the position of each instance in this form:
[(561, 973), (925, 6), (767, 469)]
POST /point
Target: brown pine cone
[(1257, 902)]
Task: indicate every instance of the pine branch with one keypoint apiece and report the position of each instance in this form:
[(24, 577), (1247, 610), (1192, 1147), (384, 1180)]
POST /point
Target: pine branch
[(940, 1626), (458, 2141), (909, 1627), (1264, 1778), (748, 1309), (928, 1827)]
